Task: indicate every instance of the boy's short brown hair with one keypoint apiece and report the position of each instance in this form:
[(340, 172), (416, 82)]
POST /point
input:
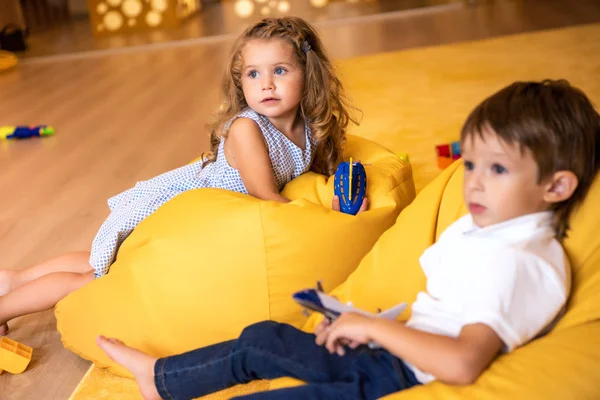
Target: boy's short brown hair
[(556, 122)]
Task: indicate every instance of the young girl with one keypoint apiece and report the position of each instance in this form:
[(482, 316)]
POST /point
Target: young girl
[(496, 278), (284, 113)]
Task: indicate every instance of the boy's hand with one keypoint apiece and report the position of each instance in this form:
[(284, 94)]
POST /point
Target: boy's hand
[(322, 332), (335, 205), (350, 329), (322, 327)]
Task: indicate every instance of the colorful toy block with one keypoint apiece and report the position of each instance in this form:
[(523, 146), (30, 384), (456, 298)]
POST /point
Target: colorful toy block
[(14, 356), (447, 154), (455, 147), (443, 150)]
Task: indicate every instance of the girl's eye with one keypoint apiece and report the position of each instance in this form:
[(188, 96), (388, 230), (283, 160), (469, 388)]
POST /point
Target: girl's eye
[(498, 169), (253, 74), (469, 165), (280, 71)]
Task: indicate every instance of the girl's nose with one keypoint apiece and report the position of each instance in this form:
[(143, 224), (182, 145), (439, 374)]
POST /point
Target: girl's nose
[(267, 84)]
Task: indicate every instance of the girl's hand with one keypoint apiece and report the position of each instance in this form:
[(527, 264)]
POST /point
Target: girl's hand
[(335, 205), (350, 329)]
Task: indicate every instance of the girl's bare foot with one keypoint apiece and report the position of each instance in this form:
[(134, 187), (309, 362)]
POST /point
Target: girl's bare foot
[(141, 365), (6, 278), (3, 329)]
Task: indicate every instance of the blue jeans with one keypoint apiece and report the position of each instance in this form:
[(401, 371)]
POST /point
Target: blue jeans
[(270, 350)]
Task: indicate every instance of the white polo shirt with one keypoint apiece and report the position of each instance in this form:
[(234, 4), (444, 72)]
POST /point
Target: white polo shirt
[(513, 277)]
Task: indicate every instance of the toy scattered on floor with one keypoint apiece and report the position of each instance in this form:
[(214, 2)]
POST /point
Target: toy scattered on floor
[(350, 185), (447, 154), (7, 60), (14, 356), (25, 132)]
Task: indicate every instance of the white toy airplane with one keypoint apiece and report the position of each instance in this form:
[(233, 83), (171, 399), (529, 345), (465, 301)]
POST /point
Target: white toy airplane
[(331, 308)]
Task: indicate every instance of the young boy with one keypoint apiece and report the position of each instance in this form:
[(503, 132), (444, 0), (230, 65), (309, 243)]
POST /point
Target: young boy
[(496, 278)]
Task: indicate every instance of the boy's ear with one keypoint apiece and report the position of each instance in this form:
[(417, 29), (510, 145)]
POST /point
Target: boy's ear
[(561, 187)]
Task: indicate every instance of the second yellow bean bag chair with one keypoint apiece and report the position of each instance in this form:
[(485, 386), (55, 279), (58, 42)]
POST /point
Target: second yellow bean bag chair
[(210, 262), (561, 365)]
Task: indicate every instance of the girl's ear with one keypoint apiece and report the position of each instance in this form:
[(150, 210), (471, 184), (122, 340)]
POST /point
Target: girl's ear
[(561, 187)]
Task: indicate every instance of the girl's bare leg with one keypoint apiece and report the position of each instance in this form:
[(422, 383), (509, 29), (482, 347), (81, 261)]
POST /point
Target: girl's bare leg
[(70, 262), (40, 294)]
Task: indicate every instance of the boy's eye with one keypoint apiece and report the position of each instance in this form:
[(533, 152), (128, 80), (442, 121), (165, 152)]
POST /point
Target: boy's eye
[(280, 71), (253, 74), (498, 169), (469, 165)]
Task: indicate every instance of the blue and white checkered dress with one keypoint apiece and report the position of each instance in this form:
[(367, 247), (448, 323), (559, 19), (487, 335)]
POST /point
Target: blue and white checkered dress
[(129, 208)]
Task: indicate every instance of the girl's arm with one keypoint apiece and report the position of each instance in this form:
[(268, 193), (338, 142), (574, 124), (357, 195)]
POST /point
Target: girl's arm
[(457, 361), (246, 151)]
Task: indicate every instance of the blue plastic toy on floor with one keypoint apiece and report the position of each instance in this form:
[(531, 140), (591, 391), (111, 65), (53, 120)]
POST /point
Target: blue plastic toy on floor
[(25, 132)]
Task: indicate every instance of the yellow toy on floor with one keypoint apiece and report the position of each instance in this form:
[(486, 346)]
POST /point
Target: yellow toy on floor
[(14, 356), (7, 60), (210, 262), (561, 365)]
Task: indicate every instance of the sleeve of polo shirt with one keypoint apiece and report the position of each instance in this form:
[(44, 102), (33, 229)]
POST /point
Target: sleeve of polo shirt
[(515, 293)]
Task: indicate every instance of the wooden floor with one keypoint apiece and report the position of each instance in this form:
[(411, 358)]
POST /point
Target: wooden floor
[(128, 114)]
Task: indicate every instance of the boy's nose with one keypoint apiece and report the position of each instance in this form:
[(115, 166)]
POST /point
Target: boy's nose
[(474, 182)]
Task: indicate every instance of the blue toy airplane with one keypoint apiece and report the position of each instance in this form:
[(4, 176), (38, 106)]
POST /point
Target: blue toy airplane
[(331, 308)]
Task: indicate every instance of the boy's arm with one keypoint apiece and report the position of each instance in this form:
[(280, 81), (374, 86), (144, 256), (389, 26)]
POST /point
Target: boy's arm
[(457, 361)]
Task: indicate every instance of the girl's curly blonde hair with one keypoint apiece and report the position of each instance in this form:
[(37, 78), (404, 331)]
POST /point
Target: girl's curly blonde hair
[(324, 103)]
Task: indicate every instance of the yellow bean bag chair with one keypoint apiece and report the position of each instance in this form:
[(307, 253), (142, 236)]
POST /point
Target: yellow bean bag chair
[(561, 365), (210, 262)]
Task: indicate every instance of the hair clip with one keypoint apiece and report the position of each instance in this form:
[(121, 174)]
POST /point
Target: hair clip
[(306, 47)]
